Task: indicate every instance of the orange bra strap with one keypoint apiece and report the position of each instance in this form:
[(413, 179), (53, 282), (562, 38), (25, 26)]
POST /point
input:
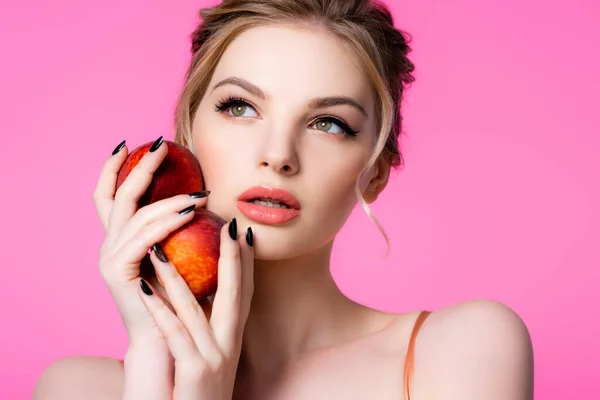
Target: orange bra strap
[(410, 353)]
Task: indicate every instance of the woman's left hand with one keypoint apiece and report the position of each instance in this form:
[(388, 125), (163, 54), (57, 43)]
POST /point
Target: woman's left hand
[(206, 344)]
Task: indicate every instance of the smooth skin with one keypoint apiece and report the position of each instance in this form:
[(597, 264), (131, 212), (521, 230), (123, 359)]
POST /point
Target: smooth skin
[(280, 327)]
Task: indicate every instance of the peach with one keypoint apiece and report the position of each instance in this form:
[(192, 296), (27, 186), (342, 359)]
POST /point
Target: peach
[(193, 249), (179, 173)]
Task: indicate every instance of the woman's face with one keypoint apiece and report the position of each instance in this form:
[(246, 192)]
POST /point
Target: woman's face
[(287, 108)]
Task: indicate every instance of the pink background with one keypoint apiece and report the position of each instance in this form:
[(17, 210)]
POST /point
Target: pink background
[(497, 199)]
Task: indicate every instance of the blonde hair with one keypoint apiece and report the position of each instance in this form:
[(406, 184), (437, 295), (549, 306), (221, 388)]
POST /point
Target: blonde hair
[(367, 29)]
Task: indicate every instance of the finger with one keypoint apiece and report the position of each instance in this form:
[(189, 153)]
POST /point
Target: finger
[(226, 306), (155, 211), (124, 260), (105, 187), (185, 305), (247, 265), (134, 187), (174, 331)]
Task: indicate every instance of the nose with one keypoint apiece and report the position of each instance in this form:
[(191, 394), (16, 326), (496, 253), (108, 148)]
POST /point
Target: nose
[(279, 153)]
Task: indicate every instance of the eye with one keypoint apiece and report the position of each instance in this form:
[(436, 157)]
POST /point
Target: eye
[(236, 107), (242, 110), (333, 126)]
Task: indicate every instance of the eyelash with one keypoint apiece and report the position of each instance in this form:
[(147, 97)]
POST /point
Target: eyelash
[(231, 101)]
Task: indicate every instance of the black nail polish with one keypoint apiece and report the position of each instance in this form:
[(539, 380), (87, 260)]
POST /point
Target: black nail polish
[(233, 229), (145, 288), (249, 237), (199, 195), (158, 250), (118, 148), (156, 144), (188, 209)]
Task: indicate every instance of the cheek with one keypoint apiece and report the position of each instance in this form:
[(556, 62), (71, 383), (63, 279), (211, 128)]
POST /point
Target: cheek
[(337, 187), (211, 145), (215, 156), (219, 145), (206, 148)]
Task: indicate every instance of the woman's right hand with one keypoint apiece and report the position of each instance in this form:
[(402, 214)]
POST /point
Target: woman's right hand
[(130, 233)]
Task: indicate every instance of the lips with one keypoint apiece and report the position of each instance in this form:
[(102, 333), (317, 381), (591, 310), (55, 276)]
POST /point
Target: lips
[(263, 192), (266, 214)]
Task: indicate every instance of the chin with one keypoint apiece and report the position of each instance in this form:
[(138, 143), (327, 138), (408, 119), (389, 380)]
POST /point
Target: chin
[(269, 252), (273, 243), (296, 238)]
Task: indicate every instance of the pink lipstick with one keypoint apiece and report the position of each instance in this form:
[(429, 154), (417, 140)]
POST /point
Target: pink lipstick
[(269, 206)]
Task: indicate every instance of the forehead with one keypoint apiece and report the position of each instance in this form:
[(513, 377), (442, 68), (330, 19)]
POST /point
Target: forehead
[(295, 60)]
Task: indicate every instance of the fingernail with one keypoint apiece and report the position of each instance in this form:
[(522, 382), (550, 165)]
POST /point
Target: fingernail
[(233, 229), (158, 250), (199, 195), (118, 148), (188, 209), (249, 237), (156, 144), (145, 288)]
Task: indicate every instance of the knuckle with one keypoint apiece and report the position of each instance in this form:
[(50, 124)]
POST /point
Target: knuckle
[(125, 191), (235, 255), (142, 215), (147, 236), (144, 172), (172, 329), (142, 212), (106, 273), (157, 230), (194, 305), (102, 264), (234, 291), (139, 240), (96, 197), (105, 265), (173, 274), (102, 250)]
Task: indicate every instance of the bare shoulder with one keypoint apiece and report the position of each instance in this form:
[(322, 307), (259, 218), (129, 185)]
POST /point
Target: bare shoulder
[(475, 349), (81, 377), (482, 320)]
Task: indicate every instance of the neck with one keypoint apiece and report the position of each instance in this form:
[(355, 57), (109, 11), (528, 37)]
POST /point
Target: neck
[(296, 309)]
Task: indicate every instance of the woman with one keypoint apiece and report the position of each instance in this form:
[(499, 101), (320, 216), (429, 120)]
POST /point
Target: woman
[(290, 104)]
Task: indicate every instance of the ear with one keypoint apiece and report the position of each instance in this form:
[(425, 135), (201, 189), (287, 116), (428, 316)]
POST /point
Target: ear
[(380, 176)]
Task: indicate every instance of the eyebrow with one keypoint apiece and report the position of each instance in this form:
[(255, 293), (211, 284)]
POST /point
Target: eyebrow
[(324, 102), (244, 84), (319, 102)]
